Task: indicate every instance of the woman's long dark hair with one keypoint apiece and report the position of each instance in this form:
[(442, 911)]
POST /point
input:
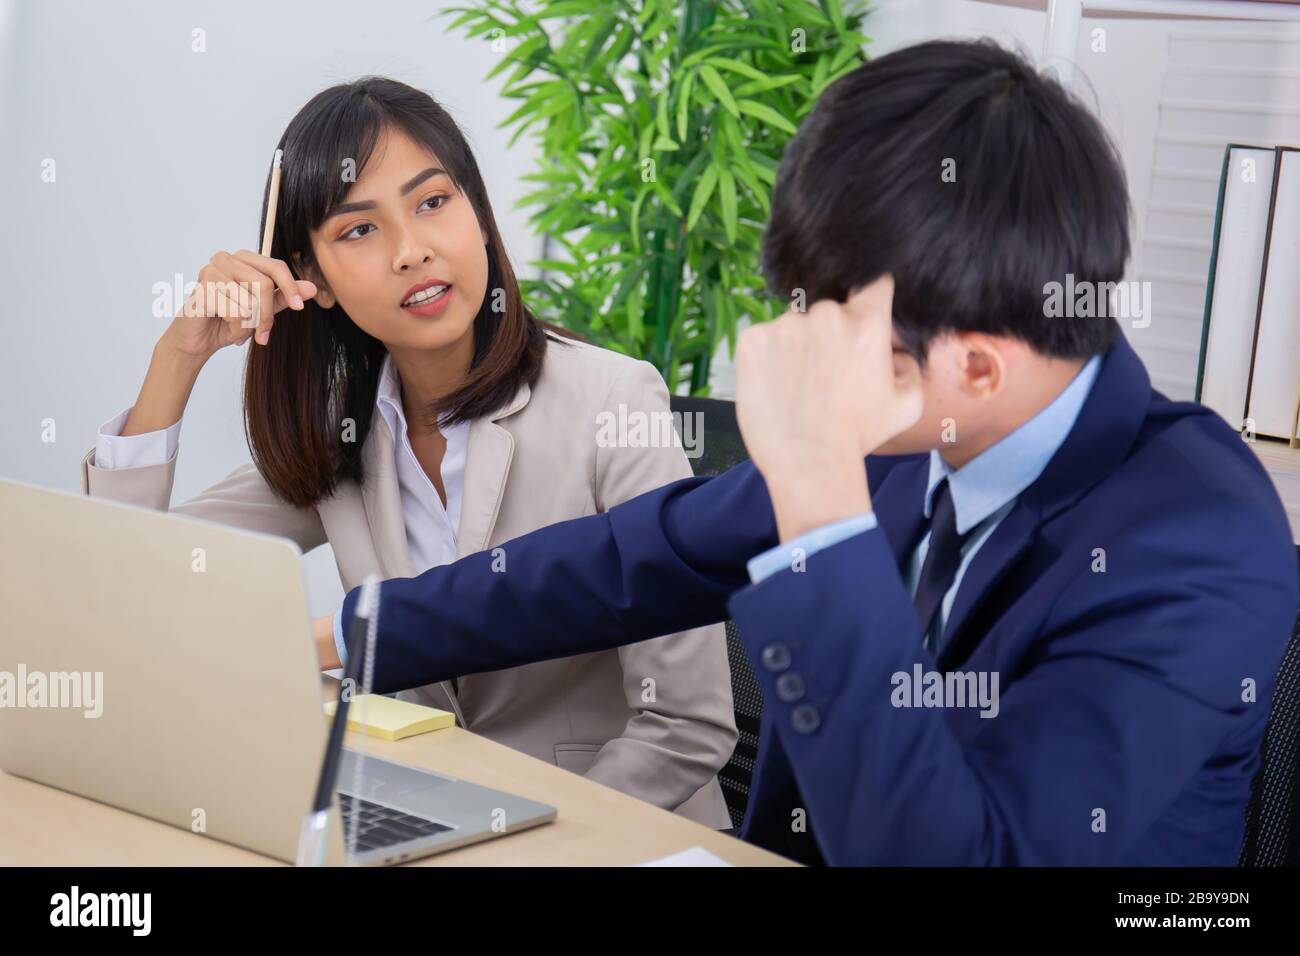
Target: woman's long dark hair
[(320, 371)]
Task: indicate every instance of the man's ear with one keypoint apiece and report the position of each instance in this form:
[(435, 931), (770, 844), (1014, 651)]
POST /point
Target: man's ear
[(323, 294), (983, 364)]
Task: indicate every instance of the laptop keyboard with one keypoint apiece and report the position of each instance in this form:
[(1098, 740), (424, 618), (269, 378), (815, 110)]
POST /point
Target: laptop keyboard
[(378, 826)]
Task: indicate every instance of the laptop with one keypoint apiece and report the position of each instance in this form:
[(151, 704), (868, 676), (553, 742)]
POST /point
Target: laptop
[(164, 665)]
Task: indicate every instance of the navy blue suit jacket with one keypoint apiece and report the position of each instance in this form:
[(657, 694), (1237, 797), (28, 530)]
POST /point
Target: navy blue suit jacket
[(1135, 604)]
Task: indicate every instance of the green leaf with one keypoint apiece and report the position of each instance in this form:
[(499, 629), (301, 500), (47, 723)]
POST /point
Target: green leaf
[(664, 143), (523, 128), (844, 55), (703, 190), (569, 8), (520, 52), (540, 196), (557, 176), (744, 171), (768, 115), (727, 195), (662, 43), (836, 12), (731, 133), (810, 14), (820, 72), (661, 114), (692, 347), (465, 17), (630, 278), (687, 175), (624, 43), (744, 69), (557, 105), (662, 192), (684, 104), (556, 265), (598, 42), (635, 315), (718, 148), (718, 87), (766, 84), (699, 55), (578, 34), (725, 323), (544, 92), (634, 229), (764, 167)]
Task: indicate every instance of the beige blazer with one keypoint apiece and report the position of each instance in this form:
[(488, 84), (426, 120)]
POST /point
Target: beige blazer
[(652, 719)]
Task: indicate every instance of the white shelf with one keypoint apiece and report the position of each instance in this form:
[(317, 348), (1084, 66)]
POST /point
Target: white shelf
[(1177, 9), (1064, 18)]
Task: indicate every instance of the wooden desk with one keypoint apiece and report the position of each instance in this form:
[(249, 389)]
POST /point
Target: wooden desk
[(595, 825)]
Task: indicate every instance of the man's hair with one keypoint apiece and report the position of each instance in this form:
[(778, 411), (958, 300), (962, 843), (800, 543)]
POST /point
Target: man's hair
[(1035, 191)]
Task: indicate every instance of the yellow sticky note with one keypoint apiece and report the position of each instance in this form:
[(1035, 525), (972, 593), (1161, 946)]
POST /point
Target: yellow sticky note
[(392, 719)]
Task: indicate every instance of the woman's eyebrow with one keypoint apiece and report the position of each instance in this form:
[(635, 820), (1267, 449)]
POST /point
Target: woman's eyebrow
[(346, 207)]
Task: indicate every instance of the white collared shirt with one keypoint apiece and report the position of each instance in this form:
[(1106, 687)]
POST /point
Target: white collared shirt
[(431, 528)]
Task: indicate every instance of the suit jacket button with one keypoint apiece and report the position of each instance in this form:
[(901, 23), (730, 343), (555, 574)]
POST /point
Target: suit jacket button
[(805, 718), (789, 687), (776, 657)]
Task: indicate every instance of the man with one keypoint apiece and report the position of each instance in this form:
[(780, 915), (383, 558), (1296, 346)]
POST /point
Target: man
[(1042, 627)]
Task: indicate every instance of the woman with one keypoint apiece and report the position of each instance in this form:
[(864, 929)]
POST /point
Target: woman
[(408, 410)]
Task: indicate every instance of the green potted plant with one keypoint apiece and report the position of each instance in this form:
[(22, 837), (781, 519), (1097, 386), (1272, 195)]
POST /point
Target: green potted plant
[(661, 124)]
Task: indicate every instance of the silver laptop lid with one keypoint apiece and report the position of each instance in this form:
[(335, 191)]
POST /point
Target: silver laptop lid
[(160, 664)]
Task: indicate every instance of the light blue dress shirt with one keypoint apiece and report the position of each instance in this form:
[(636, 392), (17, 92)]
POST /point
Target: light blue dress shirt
[(983, 491)]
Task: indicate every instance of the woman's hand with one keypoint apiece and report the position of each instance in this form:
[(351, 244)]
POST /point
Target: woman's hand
[(237, 297)]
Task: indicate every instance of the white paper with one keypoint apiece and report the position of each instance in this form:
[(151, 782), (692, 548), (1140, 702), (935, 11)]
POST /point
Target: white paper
[(695, 856)]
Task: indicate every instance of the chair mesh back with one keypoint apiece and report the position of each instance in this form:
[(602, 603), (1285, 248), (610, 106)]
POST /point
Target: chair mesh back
[(721, 448), (714, 420), (1273, 815)]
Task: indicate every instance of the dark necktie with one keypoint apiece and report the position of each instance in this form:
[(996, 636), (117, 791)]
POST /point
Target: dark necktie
[(941, 562)]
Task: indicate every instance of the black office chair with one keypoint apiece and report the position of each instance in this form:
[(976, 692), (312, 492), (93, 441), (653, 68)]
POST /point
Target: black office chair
[(1273, 815), (722, 448)]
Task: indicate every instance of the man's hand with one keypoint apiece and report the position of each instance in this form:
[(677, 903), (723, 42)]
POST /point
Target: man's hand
[(322, 629), (815, 394)]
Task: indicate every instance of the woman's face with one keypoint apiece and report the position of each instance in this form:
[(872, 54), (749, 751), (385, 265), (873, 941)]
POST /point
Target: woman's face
[(403, 224)]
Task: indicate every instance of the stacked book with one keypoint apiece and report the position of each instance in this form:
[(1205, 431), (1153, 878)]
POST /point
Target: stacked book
[(1249, 370)]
